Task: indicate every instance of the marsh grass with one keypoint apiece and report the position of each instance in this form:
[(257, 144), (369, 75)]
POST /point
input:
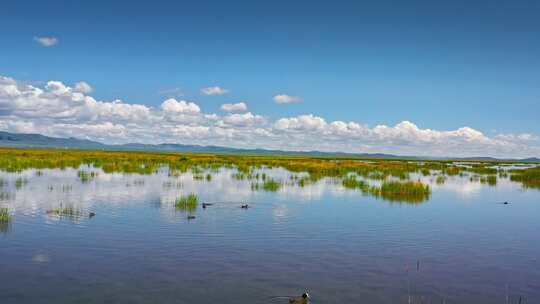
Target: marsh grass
[(86, 176), (412, 192), (139, 183), (475, 178), (69, 211), (303, 181), (452, 170), (187, 203), (529, 178), (440, 180), (350, 182), (315, 168), (4, 196), (20, 182), (482, 169), (489, 179), (5, 217), (271, 185), (198, 176), (250, 175), (170, 184), (392, 190), (377, 175), (5, 227)]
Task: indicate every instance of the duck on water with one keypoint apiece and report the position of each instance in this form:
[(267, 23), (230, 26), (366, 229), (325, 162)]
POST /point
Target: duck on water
[(303, 299)]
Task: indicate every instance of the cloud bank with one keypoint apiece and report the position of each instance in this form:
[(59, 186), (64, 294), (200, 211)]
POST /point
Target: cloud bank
[(56, 109)]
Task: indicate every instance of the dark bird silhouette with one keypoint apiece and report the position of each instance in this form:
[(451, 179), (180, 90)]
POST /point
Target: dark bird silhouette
[(245, 206), (303, 299)]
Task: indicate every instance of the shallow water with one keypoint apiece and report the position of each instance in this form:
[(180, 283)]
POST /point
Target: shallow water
[(460, 246)]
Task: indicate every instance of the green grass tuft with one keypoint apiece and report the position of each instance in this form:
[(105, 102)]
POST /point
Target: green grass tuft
[(440, 180), (86, 176), (187, 203), (66, 211), (350, 182), (412, 192), (489, 179), (4, 215)]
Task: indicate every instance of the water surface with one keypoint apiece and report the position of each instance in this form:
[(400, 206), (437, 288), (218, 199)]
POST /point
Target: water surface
[(460, 246)]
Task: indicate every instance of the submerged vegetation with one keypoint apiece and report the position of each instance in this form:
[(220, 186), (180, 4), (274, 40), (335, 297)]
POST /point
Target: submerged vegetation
[(187, 203)]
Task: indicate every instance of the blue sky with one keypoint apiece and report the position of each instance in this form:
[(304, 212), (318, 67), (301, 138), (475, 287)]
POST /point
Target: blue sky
[(442, 65)]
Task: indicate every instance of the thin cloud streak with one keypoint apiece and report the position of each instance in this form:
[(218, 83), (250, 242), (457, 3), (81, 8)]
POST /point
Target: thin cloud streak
[(214, 91), (46, 41)]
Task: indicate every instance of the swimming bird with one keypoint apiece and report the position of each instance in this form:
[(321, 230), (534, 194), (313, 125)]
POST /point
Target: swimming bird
[(204, 205), (191, 217), (303, 299), (91, 215), (244, 206)]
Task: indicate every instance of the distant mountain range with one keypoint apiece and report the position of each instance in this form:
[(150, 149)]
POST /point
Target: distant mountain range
[(21, 140)]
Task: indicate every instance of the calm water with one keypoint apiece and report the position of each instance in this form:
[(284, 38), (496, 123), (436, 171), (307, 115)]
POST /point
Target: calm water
[(461, 246)]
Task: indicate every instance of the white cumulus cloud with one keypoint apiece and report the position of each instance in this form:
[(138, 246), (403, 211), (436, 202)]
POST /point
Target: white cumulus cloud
[(83, 87), (174, 106), (234, 107), (301, 123)]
